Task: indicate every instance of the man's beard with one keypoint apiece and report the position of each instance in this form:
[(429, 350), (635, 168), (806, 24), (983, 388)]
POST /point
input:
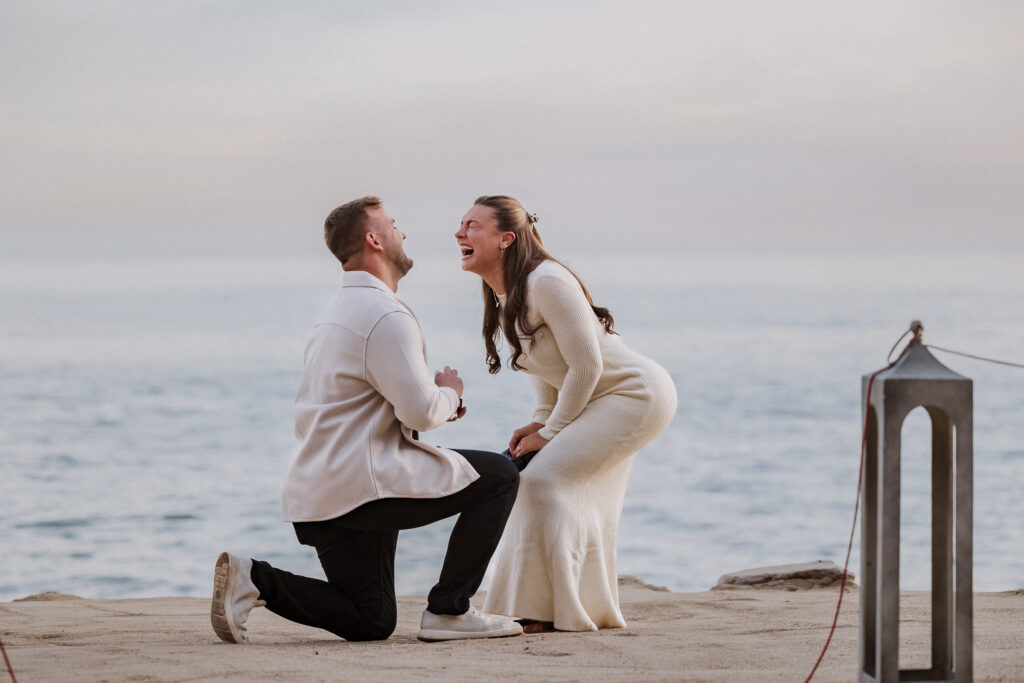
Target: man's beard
[(402, 262)]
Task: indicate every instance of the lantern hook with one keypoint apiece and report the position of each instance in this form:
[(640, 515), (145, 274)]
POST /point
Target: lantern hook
[(916, 328)]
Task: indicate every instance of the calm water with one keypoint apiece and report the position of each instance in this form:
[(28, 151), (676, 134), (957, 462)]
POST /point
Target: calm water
[(145, 411)]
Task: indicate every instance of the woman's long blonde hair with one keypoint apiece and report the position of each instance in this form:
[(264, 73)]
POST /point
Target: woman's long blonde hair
[(520, 258)]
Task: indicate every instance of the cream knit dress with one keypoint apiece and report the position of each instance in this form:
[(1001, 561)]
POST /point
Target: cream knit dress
[(600, 402)]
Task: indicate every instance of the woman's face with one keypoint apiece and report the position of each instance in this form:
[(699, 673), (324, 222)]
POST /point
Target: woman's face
[(481, 242)]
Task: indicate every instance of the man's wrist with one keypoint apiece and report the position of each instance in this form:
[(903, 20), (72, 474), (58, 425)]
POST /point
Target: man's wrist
[(458, 411), (454, 400)]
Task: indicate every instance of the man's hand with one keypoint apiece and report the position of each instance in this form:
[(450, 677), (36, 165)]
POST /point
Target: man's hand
[(449, 378), (520, 434)]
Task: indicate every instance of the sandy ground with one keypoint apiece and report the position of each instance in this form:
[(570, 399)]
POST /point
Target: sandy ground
[(733, 635)]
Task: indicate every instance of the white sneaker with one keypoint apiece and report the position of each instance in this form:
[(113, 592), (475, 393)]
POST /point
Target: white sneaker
[(472, 624), (234, 596)]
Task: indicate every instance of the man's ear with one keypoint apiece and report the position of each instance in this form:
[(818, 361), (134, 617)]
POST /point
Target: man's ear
[(373, 241)]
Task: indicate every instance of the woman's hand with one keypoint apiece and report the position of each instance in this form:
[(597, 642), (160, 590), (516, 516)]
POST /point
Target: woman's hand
[(535, 442), (520, 433), (530, 443)]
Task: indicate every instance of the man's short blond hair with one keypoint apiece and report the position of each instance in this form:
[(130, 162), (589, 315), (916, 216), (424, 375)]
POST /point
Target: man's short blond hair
[(347, 225)]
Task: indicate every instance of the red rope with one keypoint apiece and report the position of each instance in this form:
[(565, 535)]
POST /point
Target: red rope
[(10, 669), (849, 547), (856, 509)]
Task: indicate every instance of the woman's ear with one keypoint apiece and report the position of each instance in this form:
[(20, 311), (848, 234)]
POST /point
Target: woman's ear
[(507, 239)]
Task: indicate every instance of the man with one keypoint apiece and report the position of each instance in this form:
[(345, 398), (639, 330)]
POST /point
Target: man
[(359, 473)]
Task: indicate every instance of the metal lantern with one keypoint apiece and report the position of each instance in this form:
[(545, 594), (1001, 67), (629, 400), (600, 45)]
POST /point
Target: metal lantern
[(917, 379)]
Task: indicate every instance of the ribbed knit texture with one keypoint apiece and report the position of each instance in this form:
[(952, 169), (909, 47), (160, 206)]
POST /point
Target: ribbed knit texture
[(600, 402)]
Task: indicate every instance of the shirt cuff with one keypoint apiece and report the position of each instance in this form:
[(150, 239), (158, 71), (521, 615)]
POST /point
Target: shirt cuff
[(541, 416), (547, 433), (453, 398)]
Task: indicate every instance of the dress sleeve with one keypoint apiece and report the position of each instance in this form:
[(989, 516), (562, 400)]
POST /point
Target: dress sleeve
[(395, 367), (544, 398), (563, 307)]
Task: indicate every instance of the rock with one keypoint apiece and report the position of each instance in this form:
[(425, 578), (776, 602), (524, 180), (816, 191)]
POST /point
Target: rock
[(820, 574), (630, 580), (48, 595)]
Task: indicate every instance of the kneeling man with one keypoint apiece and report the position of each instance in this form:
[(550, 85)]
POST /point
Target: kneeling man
[(359, 472)]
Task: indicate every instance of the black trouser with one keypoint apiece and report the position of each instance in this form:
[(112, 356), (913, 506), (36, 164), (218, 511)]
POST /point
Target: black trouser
[(357, 553)]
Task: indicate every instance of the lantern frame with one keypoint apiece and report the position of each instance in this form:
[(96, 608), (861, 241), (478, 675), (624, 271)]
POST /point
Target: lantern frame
[(916, 380)]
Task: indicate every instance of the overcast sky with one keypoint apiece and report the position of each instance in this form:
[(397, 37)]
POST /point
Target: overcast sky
[(626, 126)]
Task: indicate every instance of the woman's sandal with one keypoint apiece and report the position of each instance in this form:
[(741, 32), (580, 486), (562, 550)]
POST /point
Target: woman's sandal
[(534, 626)]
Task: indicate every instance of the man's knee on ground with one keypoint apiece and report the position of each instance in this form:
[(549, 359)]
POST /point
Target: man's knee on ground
[(376, 628)]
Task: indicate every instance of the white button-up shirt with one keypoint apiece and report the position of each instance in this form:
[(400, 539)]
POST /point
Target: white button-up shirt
[(365, 388)]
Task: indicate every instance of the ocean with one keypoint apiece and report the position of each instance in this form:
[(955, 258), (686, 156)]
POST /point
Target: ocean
[(146, 410)]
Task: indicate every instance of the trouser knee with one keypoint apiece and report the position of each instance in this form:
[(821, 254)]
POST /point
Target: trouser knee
[(509, 478), (376, 627), (503, 476), (496, 471)]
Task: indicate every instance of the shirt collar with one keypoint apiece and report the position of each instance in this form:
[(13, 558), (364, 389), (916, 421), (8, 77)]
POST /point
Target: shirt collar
[(361, 278)]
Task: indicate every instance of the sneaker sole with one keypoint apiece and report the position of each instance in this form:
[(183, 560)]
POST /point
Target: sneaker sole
[(222, 624), (435, 636)]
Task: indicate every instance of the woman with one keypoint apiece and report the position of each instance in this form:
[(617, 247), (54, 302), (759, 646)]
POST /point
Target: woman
[(597, 404)]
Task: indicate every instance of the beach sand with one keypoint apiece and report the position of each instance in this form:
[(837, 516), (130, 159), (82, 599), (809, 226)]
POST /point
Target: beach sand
[(726, 635)]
